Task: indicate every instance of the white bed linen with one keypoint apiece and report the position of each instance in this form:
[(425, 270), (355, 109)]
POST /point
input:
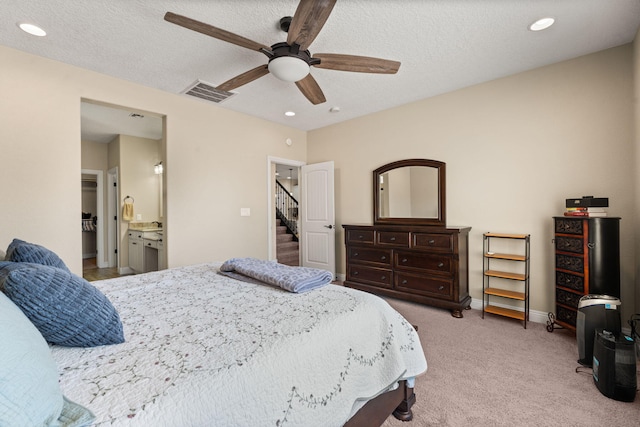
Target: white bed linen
[(203, 349)]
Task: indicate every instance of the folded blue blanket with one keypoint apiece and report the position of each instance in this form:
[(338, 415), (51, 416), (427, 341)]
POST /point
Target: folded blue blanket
[(292, 279)]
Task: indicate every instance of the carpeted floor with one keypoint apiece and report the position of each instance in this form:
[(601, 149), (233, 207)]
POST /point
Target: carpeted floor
[(493, 372)]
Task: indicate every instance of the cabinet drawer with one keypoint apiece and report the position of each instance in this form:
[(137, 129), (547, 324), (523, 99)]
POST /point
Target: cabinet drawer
[(570, 244), (150, 243), (569, 226), (571, 263), (568, 298), (373, 276), (370, 255), (393, 238), (424, 261), (424, 285), (359, 236), (566, 315), (570, 281), (437, 242)]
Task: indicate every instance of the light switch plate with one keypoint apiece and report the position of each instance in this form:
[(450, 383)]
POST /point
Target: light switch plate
[(245, 211)]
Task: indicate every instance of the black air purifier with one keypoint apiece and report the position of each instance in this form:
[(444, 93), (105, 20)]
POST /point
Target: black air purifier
[(614, 365), (595, 311)]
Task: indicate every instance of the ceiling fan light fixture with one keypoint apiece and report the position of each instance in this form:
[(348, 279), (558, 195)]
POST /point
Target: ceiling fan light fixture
[(289, 68)]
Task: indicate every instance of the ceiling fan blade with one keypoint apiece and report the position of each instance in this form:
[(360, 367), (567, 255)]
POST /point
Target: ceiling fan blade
[(308, 20), (244, 78), (309, 88), (358, 64), (214, 32)]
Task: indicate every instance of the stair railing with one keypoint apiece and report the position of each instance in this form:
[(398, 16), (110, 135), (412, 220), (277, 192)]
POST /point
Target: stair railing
[(287, 209)]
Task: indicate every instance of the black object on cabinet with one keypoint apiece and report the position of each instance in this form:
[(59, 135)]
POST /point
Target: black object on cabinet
[(587, 257)]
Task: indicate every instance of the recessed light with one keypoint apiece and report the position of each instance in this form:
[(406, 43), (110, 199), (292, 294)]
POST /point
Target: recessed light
[(542, 24), (289, 114), (32, 29)]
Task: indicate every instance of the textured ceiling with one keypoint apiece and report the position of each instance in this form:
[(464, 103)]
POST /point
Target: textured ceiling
[(443, 45)]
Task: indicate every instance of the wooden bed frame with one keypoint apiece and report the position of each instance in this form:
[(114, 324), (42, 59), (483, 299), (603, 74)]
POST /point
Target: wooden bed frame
[(397, 402)]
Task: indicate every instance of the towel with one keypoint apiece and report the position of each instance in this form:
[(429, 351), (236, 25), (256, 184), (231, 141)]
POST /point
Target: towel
[(127, 211), (292, 279)]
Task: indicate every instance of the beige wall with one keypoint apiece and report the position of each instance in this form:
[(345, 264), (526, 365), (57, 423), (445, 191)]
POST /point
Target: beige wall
[(207, 148), (515, 149)]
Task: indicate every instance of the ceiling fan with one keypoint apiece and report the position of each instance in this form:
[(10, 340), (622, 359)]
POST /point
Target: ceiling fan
[(291, 61)]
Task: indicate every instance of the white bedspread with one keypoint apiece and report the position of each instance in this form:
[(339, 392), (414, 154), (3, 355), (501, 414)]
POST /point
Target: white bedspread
[(203, 349)]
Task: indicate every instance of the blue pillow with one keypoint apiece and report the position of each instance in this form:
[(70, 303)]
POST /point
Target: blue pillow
[(21, 251), (29, 391), (66, 309)]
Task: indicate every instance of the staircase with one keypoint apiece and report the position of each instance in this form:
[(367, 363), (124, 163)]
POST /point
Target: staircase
[(287, 250)]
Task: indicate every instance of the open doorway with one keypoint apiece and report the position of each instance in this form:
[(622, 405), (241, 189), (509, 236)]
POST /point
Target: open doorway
[(125, 147), (312, 187), (284, 208)]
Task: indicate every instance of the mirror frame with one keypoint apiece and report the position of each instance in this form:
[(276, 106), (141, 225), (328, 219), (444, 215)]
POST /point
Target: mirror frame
[(441, 169)]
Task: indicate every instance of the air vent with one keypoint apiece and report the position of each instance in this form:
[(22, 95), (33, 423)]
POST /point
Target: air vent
[(208, 92)]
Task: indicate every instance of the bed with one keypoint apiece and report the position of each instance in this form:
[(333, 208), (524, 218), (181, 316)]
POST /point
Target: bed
[(204, 349)]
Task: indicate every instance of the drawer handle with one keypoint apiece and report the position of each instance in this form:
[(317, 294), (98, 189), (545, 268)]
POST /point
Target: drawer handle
[(355, 273), (441, 265), (393, 239), (148, 244), (441, 288), (360, 236), (404, 282), (431, 242), (356, 254), (383, 278), (383, 257), (404, 260)]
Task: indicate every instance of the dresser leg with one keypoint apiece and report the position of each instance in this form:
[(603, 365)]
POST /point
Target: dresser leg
[(457, 314)]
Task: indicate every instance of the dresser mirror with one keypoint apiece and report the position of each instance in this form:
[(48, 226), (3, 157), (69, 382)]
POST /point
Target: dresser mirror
[(410, 192)]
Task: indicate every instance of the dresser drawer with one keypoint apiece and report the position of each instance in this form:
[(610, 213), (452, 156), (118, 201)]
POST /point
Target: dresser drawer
[(570, 244), (571, 263), (360, 236), (424, 285), (566, 315), (424, 262), (569, 226), (370, 275), (571, 281), (365, 254), (568, 298), (393, 238), (434, 241)]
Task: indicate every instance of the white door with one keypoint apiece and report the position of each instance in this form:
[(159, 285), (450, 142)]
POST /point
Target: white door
[(317, 217)]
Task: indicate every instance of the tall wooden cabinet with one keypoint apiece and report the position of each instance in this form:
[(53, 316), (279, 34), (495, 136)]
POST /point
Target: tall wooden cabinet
[(423, 264), (587, 258)]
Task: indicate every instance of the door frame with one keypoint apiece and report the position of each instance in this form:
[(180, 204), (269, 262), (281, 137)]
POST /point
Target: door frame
[(271, 220), (99, 174), (113, 227)]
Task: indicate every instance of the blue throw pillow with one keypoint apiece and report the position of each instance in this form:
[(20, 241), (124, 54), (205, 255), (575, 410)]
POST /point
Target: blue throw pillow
[(29, 391), (66, 309), (21, 251)]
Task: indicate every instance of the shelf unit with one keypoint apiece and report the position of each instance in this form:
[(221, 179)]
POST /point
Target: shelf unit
[(492, 293)]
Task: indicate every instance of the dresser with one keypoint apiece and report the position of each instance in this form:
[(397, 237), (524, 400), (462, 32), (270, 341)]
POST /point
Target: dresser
[(423, 264), (587, 261)]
